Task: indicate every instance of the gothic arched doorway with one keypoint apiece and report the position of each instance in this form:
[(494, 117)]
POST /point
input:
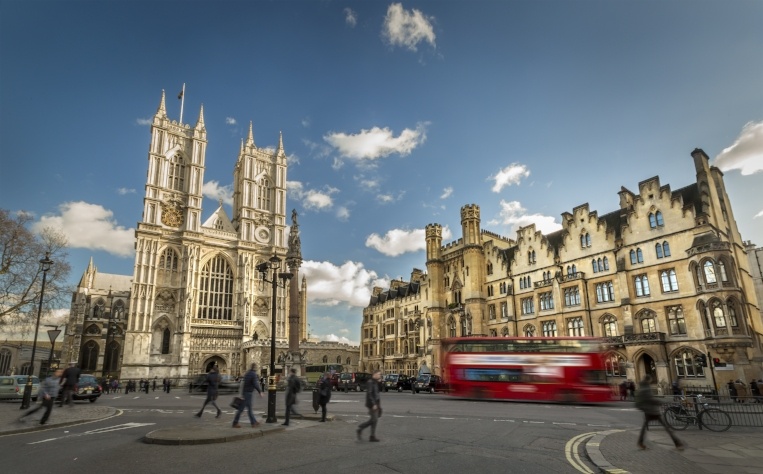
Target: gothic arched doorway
[(222, 367), (646, 366)]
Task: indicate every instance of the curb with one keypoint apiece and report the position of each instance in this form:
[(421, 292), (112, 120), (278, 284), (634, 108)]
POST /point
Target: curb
[(598, 459), (155, 437)]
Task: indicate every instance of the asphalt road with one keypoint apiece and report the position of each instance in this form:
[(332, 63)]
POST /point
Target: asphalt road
[(420, 433)]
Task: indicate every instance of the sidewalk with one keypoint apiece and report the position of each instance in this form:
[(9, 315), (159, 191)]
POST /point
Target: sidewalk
[(739, 450), (64, 416)]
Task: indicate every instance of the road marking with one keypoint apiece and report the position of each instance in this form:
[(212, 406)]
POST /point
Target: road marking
[(534, 422), (572, 454), (107, 429), (445, 418), (508, 421), (44, 441), (571, 424)]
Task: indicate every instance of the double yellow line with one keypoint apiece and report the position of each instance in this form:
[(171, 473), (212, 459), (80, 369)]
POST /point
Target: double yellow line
[(571, 451)]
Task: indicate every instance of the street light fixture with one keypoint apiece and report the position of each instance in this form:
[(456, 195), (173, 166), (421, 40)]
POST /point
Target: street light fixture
[(45, 265), (53, 335), (273, 264)]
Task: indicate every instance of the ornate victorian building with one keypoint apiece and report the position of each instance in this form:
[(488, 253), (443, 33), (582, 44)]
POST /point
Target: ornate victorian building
[(196, 297), (665, 278)]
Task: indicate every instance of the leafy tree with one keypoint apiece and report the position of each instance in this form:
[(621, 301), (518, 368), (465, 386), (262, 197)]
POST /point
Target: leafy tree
[(21, 273)]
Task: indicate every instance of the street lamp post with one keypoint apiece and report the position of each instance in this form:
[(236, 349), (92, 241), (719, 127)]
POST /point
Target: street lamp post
[(45, 265), (273, 264), (53, 335)]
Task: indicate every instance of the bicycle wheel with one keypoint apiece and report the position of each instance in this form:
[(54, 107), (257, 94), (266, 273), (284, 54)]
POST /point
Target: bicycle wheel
[(715, 419), (676, 419)]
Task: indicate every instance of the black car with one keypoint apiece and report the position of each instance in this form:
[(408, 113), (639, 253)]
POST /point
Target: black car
[(355, 381), (397, 382), (87, 389), (429, 383)]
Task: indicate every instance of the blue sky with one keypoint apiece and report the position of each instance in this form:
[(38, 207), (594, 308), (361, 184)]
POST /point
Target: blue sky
[(394, 115)]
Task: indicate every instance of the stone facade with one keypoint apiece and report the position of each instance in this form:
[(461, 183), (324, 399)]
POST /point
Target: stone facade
[(663, 279), (196, 296)]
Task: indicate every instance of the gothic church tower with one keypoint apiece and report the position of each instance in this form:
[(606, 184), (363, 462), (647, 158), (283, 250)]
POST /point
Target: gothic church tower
[(196, 297)]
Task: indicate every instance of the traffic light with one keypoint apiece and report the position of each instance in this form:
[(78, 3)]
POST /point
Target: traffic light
[(717, 362), (703, 360)]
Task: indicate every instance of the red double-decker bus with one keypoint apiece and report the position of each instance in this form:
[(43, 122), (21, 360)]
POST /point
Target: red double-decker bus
[(561, 369)]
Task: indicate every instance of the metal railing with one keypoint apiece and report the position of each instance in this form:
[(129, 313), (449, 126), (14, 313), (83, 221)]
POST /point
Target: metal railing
[(746, 411)]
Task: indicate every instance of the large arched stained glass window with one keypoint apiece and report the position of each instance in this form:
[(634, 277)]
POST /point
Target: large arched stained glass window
[(88, 358), (216, 290)]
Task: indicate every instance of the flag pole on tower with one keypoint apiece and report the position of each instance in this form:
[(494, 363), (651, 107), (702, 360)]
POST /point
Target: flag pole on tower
[(181, 96)]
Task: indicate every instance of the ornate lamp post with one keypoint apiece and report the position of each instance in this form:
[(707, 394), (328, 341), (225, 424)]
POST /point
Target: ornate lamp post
[(45, 265), (273, 264), (53, 335)]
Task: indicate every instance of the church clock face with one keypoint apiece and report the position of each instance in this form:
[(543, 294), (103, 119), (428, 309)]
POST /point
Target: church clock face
[(172, 217)]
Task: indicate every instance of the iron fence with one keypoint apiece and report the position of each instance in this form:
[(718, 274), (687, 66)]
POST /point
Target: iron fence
[(745, 411)]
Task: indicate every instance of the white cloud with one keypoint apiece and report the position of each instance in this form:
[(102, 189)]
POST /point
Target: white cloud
[(390, 198), (144, 121), (335, 338), (407, 29), (399, 241), (319, 150), (123, 191), (314, 199), (760, 214), (337, 164), (514, 216), (446, 192), (512, 174), (330, 285), (343, 213), (377, 142), (90, 226), (746, 153), (350, 17), (306, 122), (213, 190), (230, 121)]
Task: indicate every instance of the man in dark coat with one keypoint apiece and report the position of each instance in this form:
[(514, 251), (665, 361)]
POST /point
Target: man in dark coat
[(646, 402), (48, 392), (251, 383), (293, 387), (69, 381), (213, 381), (324, 394), (373, 403)]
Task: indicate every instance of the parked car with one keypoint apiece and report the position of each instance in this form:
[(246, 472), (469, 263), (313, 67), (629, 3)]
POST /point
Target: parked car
[(335, 382), (87, 389), (12, 387), (429, 383), (355, 381), (397, 382)]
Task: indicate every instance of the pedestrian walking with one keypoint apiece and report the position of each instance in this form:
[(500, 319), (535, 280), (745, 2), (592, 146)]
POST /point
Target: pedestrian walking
[(741, 389), (153, 385), (755, 390), (69, 381), (251, 383), (373, 402), (623, 388), (49, 391), (732, 390), (324, 394), (293, 387), (213, 381), (646, 402), (632, 389)]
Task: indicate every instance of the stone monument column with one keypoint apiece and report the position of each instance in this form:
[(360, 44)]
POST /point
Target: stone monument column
[(294, 261)]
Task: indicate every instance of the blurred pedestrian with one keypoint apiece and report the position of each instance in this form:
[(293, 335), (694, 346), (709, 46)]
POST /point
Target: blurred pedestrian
[(49, 391), (324, 394), (293, 387), (732, 390), (213, 381), (373, 403), (741, 389), (69, 381), (251, 383), (153, 384), (623, 389), (646, 402), (632, 389)]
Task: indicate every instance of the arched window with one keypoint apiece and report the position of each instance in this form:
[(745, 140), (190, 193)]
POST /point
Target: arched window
[(451, 327), (5, 361), (166, 341), (463, 327), (658, 250), (731, 304), (493, 333), (118, 311), (633, 257), (718, 315), (606, 263), (264, 198), (89, 356), (648, 324), (575, 327), (216, 290), (676, 320), (641, 282), (709, 270), (615, 365), (639, 255), (338, 359), (505, 331), (325, 359), (528, 330), (652, 221), (169, 260), (658, 217), (686, 365), (609, 326), (405, 347), (666, 249), (549, 328), (112, 356), (669, 280), (722, 271), (99, 309), (176, 172), (595, 266), (349, 361), (574, 270)]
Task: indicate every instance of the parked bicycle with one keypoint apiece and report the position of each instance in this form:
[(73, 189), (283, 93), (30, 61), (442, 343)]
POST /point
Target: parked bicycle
[(680, 414)]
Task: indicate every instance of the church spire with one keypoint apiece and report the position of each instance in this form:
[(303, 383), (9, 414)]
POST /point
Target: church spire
[(200, 121), (280, 151), (162, 110), (250, 137)]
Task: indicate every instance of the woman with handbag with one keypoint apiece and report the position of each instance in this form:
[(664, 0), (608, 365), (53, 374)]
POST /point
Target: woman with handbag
[(213, 381)]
